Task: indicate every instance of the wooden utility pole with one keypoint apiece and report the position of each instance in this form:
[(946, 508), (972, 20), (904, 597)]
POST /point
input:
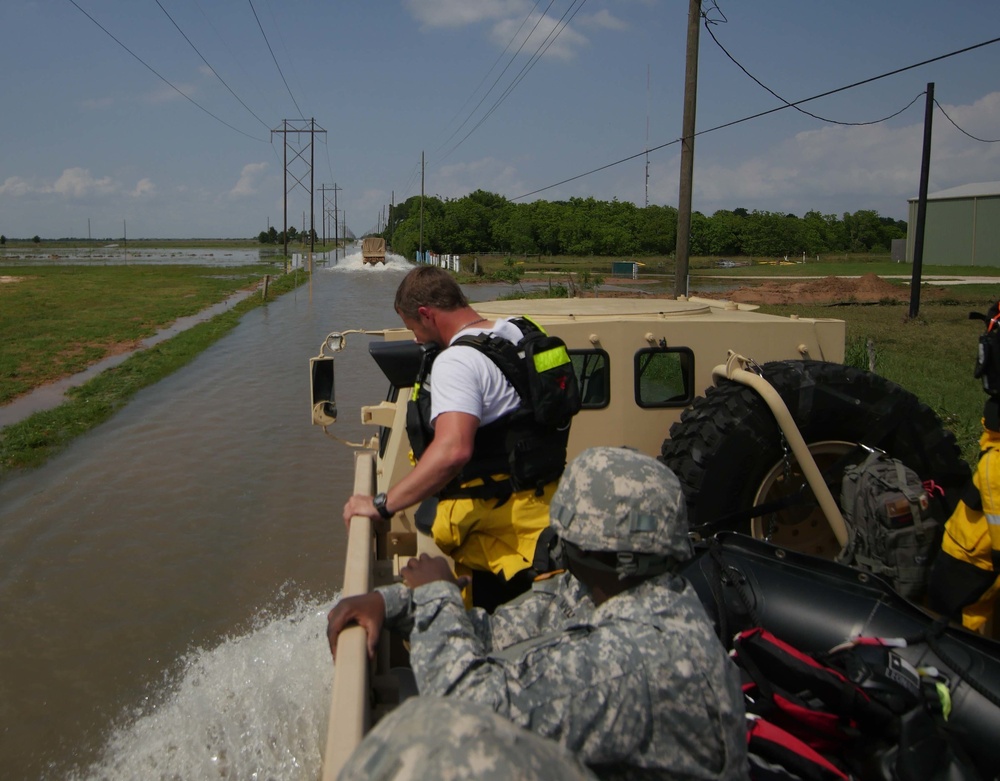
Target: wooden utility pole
[(421, 207), (687, 150), (918, 237), (336, 227)]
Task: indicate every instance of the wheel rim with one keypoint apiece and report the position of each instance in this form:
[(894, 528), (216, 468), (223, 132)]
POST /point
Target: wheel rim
[(799, 528)]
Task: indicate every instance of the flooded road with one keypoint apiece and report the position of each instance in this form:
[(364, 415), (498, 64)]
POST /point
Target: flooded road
[(165, 579)]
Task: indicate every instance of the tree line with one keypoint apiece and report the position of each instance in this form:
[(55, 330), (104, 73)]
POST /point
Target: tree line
[(486, 222)]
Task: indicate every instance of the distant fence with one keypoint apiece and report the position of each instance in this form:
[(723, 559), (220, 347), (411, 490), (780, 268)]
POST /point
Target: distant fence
[(450, 262)]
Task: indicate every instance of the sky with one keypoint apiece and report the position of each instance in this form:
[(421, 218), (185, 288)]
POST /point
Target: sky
[(157, 118)]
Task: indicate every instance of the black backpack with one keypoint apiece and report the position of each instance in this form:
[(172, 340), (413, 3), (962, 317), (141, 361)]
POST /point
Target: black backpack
[(988, 357), (539, 368)]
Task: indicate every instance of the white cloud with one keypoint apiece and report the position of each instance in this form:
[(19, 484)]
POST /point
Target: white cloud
[(16, 186), (508, 18), (144, 187), (78, 183), (461, 13), (603, 19), (249, 179), (563, 46), (72, 183)]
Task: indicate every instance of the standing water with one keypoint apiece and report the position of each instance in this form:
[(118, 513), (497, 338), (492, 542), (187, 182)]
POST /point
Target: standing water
[(165, 580)]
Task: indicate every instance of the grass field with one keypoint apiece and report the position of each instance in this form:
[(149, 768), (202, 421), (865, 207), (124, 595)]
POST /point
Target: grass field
[(58, 320)]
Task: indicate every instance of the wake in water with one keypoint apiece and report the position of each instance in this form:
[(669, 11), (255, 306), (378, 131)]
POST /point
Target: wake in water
[(254, 707), (352, 262)]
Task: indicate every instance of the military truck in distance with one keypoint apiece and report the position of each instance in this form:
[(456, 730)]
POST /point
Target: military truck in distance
[(372, 250)]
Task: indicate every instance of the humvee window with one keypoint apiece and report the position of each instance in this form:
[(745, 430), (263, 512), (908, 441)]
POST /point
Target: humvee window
[(593, 372), (664, 377)]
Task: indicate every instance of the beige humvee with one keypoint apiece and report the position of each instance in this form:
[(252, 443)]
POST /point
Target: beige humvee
[(667, 377)]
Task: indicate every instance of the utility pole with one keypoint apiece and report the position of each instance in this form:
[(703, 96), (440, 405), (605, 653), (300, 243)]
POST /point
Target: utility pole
[(294, 128), (422, 205), (336, 240), (322, 190), (687, 150), (918, 238), (392, 202)]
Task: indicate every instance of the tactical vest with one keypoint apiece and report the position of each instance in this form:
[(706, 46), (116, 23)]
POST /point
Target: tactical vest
[(531, 452)]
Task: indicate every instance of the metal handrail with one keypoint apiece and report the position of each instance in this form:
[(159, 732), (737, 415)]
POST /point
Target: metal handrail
[(349, 704)]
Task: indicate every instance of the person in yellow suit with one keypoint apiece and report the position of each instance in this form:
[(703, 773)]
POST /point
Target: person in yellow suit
[(966, 574), (485, 468)]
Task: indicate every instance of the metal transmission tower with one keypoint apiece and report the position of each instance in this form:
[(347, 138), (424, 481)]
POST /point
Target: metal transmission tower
[(293, 130)]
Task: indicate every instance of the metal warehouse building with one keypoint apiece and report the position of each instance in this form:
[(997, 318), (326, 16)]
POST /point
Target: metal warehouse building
[(962, 226)]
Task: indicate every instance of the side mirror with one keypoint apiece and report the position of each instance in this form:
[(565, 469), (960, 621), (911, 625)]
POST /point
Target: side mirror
[(324, 403)]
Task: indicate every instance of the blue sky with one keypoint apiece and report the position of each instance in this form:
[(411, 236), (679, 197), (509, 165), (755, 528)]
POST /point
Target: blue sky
[(90, 133)]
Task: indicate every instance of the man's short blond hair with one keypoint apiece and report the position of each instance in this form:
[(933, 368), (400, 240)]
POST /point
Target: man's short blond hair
[(428, 286)]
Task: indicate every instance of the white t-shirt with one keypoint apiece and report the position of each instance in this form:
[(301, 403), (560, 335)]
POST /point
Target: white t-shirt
[(464, 380)]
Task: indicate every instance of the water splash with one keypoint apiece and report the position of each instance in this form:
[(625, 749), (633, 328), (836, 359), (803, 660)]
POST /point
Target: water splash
[(254, 707), (352, 262)]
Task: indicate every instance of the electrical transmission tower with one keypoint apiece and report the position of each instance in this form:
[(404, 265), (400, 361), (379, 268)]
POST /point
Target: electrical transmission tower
[(292, 130)]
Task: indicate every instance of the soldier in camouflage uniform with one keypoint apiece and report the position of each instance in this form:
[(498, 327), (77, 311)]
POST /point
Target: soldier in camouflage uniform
[(614, 658), (450, 738)]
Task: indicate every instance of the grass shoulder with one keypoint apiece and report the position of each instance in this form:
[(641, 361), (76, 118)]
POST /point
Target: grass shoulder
[(30, 442)]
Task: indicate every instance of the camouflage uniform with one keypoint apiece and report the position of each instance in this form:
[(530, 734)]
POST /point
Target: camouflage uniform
[(457, 740), (639, 686)]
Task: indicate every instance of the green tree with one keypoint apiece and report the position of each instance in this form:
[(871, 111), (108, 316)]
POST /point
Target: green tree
[(725, 229), (3, 240), (37, 239)]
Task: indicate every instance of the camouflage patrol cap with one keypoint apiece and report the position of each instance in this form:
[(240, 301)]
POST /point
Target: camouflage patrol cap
[(617, 499)]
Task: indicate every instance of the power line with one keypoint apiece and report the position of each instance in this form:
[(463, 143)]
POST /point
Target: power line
[(210, 66), (301, 113), (960, 130), (500, 75), (765, 113), (163, 78), (708, 29), (542, 48)]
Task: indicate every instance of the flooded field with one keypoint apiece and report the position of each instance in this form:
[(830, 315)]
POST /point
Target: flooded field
[(122, 254)]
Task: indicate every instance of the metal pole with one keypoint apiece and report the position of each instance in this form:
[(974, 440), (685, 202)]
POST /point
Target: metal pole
[(312, 182), (284, 136), (918, 238), (687, 149), (422, 207)]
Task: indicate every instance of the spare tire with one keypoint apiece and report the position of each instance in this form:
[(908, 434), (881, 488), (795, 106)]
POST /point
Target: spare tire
[(730, 455)]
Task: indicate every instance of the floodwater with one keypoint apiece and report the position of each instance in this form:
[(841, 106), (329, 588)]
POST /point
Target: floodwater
[(165, 580)]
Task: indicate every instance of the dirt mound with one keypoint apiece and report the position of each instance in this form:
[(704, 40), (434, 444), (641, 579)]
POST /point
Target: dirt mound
[(869, 288)]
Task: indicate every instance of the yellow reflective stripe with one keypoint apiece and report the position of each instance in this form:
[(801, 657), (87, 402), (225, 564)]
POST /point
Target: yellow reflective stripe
[(532, 321), (416, 390), (550, 359)]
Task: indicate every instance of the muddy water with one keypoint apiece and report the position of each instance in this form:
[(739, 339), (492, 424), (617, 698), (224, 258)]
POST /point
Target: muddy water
[(164, 581)]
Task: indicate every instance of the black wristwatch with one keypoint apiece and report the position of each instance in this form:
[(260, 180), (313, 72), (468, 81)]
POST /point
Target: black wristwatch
[(379, 502)]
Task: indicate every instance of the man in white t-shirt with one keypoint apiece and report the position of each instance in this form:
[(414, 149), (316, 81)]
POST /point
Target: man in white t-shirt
[(463, 424)]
